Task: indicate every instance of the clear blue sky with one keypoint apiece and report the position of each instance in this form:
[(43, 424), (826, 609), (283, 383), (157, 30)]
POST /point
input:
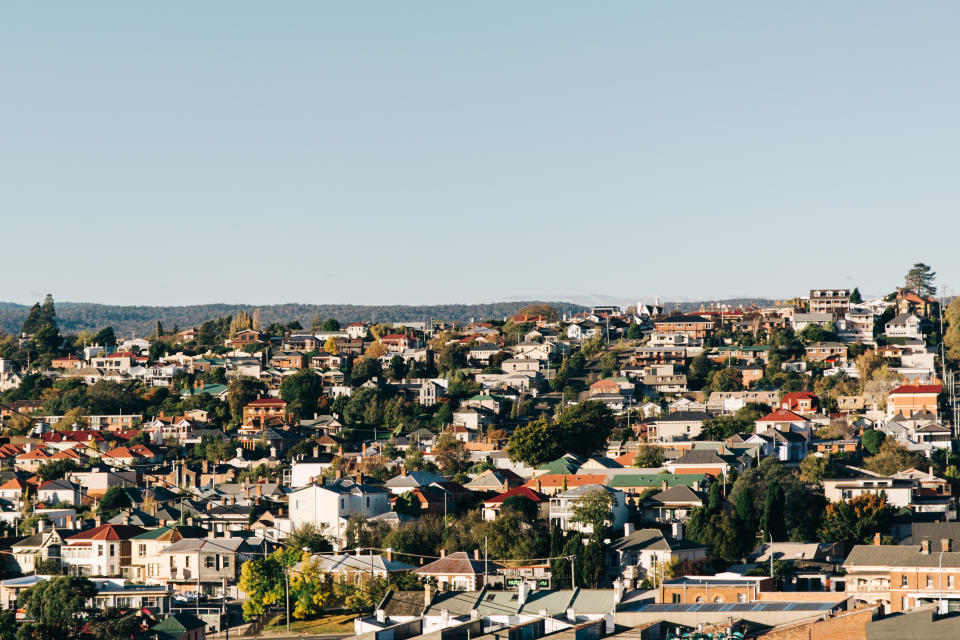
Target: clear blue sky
[(422, 152)]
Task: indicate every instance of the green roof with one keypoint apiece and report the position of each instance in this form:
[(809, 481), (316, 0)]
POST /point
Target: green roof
[(560, 465), (655, 479), (177, 624), (212, 389), (185, 531)]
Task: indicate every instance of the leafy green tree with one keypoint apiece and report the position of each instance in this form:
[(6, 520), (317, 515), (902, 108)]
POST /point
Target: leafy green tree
[(114, 500), (871, 440), (451, 455), (581, 430), (330, 324), (56, 469), (634, 332), (115, 626), (892, 458), (608, 364), (105, 337), (364, 369), (698, 371), (53, 607), (302, 392), (594, 510), (452, 356), (856, 521), (310, 536), (920, 278), (398, 367), (240, 393), (726, 379), (649, 457), (813, 469), (8, 625), (523, 505)]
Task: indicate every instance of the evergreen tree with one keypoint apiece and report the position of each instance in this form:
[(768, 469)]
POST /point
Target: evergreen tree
[(32, 323), (920, 278), (855, 297), (772, 521)]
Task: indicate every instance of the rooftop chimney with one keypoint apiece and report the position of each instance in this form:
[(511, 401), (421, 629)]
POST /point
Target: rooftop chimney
[(628, 529), (428, 590), (946, 545), (925, 547), (523, 590), (316, 451), (619, 588), (877, 540), (389, 553)]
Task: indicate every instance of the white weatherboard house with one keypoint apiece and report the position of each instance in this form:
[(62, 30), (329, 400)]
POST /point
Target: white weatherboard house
[(329, 506)]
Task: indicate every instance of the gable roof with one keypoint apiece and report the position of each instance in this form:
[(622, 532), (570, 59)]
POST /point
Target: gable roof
[(523, 492), (458, 563), (108, 532)]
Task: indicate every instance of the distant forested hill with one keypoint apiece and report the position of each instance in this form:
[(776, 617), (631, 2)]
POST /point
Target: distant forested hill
[(74, 317)]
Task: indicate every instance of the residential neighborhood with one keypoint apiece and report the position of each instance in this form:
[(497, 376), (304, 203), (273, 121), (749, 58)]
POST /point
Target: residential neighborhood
[(181, 478)]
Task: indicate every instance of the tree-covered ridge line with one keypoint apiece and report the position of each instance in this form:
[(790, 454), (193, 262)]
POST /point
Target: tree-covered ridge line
[(74, 317)]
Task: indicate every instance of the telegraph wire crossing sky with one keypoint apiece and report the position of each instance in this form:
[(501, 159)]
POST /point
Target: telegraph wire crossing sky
[(384, 153)]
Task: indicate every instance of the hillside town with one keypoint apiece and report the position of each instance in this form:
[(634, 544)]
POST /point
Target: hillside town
[(736, 470)]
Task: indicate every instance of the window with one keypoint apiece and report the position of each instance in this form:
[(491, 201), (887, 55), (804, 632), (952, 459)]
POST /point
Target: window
[(99, 549), (188, 562), (741, 597), (209, 562), (950, 582), (142, 549), (929, 582), (113, 550), (903, 581), (226, 561)]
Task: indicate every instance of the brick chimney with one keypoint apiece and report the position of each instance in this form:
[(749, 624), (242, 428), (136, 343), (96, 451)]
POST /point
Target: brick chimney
[(877, 539), (443, 553), (389, 553), (946, 545), (925, 547)]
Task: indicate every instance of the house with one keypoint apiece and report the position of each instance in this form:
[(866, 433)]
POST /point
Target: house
[(905, 325), (703, 461), (829, 301), (102, 551), (265, 411), (783, 420), (679, 425), (499, 480), (43, 545), (671, 505), (908, 399), (304, 469), (826, 352), (691, 326), (492, 506), (917, 491), (646, 552), (410, 480), (329, 506), (203, 564), (60, 491), (146, 563), (801, 321), (350, 567), (398, 342), (179, 626), (803, 401), (563, 504), (902, 577), (458, 571)]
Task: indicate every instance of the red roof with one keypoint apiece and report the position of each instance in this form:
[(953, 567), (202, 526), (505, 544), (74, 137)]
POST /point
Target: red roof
[(268, 402), (918, 388), (395, 337), (13, 483), (121, 453), (525, 492), (108, 532), (36, 454), (782, 415)]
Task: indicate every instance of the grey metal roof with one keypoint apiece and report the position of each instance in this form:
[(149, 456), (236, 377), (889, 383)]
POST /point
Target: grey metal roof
[(868, 555), (737, 607)]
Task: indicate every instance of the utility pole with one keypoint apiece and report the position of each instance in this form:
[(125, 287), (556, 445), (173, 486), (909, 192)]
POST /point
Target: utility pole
[(223, 609), (573, 572), (286, 584)]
